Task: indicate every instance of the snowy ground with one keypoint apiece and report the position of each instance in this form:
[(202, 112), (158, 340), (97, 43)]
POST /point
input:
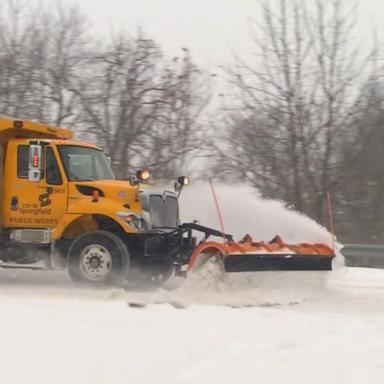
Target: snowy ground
[(278, 327), (284, 330)]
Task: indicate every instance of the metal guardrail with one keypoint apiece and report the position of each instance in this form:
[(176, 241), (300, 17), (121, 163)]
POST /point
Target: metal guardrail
[(363, 255)]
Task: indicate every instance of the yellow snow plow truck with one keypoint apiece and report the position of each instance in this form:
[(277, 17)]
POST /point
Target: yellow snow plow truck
[(62, 208)]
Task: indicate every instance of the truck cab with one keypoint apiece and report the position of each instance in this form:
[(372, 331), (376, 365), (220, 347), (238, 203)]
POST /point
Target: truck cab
[(61, 207)]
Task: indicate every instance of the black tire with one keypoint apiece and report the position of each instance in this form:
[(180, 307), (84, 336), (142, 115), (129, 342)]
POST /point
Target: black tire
[(98, 257)]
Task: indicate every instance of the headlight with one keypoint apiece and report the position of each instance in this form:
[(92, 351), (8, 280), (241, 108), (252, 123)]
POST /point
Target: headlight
[(143, 175), (132, 220)]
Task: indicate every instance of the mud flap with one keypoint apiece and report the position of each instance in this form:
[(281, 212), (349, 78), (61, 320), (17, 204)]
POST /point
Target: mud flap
[(277, 262)]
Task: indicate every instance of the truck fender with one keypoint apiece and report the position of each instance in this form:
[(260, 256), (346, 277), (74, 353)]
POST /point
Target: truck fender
[(85, 221)]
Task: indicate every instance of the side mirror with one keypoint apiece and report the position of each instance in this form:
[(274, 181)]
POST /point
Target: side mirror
[(181, 182), (35, 163)]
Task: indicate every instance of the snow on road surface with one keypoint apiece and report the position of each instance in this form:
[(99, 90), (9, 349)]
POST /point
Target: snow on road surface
[(57, 332), (291, 327)]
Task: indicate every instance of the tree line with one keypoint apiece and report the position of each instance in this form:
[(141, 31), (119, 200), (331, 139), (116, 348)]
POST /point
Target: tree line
[(302, 117), (142, 107)]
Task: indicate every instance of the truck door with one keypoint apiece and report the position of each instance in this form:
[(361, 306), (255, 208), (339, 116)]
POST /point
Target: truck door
[(37, 204)]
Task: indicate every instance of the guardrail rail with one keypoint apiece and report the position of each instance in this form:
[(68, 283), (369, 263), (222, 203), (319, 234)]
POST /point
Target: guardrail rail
[(363, 255)]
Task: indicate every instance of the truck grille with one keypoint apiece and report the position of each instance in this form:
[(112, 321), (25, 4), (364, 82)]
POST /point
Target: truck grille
[(164, 211)]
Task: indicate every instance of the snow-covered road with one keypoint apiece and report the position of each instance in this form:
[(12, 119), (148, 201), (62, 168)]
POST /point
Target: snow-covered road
[(290, 328), (276, 327)]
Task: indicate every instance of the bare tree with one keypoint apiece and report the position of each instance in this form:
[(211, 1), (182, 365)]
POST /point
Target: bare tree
[(40, 49), (67, 46), (144, 109), (141, 109), (360, 205), (294, 103), (177, 135), (119, 96), (21, 44)]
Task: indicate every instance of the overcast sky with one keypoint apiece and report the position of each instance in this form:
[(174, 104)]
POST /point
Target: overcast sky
[(210, 28)]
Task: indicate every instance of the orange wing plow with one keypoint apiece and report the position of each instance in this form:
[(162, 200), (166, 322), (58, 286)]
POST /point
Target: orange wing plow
[(247, 255)]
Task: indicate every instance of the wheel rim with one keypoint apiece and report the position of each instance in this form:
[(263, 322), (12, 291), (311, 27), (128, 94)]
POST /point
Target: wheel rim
[(95, 262)]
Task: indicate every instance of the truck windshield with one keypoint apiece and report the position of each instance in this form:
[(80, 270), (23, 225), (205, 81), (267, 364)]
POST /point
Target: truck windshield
[(84, 164)]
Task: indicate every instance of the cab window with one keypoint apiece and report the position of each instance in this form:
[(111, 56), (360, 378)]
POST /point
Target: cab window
[(53, 175), (84, 164), (22, 161)]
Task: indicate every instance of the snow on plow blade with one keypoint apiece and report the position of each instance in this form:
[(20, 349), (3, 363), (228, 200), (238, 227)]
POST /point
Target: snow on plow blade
[(248, 256)]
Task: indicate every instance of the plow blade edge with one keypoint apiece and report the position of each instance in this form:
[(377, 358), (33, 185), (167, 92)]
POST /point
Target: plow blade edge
[(277, 262)]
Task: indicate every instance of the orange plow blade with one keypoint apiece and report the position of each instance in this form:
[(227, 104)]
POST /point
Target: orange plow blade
[(277, 256), (249, 256)]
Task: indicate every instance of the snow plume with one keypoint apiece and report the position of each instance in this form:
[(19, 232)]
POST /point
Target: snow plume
[(244, 211)]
